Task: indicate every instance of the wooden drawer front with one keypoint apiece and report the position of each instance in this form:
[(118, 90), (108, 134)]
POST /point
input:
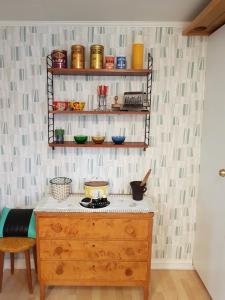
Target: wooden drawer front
[(95, 250), (102, 271), (74, 228)]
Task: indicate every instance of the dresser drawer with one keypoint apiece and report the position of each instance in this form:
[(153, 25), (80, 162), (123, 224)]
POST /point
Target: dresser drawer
[(93, 250), (91, 228), (87, 270)]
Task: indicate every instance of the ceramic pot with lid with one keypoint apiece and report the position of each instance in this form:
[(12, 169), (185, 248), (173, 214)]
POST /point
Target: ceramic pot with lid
[(93, 188)]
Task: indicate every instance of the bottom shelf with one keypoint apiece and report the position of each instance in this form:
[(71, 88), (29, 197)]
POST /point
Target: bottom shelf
[(103, 145)]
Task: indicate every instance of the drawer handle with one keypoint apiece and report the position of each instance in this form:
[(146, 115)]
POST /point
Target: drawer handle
[(129, 230), (58, 250), (93, 224), (128, 272), (56, 227), (93, 268), (93, 245), (59, 269)]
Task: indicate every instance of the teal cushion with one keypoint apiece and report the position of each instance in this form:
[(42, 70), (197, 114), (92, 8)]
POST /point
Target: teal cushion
[(17, 222), (4, 215), (32, 227)]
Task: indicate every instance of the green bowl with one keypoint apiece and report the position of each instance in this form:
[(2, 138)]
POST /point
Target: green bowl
[(80, 139)]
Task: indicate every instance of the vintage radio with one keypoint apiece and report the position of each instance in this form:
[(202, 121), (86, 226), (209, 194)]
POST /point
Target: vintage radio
[(135, 101)]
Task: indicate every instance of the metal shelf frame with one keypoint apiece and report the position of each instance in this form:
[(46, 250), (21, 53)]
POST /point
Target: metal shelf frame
[(51, 73)]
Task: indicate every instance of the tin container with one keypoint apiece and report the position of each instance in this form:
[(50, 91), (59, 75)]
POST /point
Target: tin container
[(96, 56), (96, 188), (77, 57), (109, 62), (121, 62), (59, 58)]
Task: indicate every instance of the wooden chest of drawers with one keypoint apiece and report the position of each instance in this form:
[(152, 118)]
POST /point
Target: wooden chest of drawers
[(95, 249)]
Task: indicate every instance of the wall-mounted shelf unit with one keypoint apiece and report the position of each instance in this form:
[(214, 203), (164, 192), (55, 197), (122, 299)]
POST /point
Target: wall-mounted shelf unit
[(52, 72)]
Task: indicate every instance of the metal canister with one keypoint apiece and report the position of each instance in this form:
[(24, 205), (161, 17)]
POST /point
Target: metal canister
[(93, 188), (77, 57), (96, 56), (121, 62), (59, 58)]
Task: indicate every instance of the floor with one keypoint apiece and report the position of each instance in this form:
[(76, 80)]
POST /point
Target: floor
[(166, 285)]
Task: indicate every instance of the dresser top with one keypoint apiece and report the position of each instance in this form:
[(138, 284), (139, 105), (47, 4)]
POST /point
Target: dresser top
[(118, 204)]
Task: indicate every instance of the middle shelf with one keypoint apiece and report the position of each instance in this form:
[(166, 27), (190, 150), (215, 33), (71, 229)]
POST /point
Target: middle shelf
[(99, 112)]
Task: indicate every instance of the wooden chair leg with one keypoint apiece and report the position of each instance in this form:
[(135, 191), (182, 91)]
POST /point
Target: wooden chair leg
[(12, 262), (35, 258), (29, 278), (2, 254)]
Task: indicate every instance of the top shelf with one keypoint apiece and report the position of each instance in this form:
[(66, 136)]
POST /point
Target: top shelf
[(100, 72)]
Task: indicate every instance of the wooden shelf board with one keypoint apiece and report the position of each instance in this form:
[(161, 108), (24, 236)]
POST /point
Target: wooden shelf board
[(104, 145), (96, 112), (209, 20), (99, 72)]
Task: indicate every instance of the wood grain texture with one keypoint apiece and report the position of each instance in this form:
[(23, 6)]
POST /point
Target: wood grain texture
[(165, 285), (93, 250), (79, 271), (100, 72), (14, 244), (93, 228), (209, 20), (103, 249), (99, 112), (103, 145)]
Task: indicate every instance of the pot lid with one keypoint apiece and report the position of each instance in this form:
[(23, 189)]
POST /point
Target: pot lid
[(96, 183)]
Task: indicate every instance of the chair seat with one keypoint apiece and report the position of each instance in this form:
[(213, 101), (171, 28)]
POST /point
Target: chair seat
[(16, 244)]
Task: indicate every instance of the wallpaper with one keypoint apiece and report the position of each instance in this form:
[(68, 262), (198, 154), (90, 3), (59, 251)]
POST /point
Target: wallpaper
[(27, 163)]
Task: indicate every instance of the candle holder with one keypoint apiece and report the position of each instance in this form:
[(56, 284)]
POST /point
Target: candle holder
[(102, 105)]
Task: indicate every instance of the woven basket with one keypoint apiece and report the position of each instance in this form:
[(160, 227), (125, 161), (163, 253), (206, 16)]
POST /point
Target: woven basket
[(60, 187)]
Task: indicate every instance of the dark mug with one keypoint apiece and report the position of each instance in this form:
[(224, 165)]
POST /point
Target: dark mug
[(137, 190)]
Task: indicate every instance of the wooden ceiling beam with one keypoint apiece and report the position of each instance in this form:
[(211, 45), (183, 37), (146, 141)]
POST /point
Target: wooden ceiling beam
[(209, 20)]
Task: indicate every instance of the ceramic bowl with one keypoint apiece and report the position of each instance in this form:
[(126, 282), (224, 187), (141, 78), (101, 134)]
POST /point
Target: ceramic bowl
[(77, 105), (98, 139), (119, 139), (80, 139)]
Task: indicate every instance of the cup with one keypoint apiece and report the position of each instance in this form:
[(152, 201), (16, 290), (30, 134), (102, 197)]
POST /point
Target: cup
[(137, 190)]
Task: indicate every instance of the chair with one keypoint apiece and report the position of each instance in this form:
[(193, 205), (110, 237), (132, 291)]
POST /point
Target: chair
[(14, 245)]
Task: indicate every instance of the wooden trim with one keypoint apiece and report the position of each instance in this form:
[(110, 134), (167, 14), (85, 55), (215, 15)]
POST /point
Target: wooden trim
[(103, 145), (209, 20), (96, 112), (95, 283), (99, 72), (93, 216)]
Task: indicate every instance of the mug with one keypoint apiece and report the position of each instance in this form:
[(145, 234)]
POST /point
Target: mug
[(137, 190)]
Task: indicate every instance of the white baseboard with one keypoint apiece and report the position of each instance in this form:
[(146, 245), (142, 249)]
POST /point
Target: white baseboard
[(164, 264), (156, 264)]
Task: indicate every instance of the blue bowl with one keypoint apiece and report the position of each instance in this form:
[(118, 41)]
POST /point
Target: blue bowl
[(119, 139)]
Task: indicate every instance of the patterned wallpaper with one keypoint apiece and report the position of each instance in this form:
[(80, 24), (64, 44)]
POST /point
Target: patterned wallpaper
[(27, 163)]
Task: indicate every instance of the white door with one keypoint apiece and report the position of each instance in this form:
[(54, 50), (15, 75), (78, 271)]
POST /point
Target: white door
[(209, 252)]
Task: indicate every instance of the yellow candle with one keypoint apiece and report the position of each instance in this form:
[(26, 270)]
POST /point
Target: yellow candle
[(137, 56)]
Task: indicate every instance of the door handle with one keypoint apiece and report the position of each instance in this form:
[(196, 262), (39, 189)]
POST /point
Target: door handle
[(222, 172)]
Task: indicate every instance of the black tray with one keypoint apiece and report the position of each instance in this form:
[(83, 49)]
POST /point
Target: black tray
[(91, 205)]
